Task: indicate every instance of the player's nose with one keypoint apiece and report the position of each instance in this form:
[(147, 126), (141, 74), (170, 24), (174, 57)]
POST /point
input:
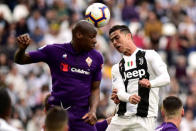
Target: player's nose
[(115, 43), (94, 41)]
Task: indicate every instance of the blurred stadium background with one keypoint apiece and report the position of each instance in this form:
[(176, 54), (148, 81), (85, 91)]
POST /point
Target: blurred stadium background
[(168, 26)]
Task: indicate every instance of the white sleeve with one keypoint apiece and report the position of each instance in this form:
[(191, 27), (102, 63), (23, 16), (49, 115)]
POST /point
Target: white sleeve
[(160, 69), (117, 82)]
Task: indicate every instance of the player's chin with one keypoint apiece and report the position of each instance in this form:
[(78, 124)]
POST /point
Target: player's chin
[(90, 48)]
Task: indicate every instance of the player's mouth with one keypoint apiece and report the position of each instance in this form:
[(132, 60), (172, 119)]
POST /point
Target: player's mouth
[(117, 47)]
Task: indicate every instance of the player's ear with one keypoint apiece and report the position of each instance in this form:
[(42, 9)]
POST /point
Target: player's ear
[(79, 35), (129, 35), (182, 113), (162, 111)]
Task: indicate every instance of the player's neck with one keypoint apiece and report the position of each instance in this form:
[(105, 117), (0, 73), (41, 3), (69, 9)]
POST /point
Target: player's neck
[(175, 121), (130, 50), (75, 46)]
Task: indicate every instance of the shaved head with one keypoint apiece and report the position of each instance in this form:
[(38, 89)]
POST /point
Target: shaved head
[(84, 36), (84, 26)]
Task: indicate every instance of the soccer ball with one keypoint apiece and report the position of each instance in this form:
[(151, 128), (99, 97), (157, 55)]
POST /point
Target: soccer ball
[(97, 14)]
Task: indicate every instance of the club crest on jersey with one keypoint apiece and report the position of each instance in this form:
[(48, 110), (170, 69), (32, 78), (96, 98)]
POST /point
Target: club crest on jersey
[(89, 61), (65, 56), (141, 61)]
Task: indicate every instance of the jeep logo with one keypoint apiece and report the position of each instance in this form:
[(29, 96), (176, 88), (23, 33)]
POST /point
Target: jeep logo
[(132, 74)]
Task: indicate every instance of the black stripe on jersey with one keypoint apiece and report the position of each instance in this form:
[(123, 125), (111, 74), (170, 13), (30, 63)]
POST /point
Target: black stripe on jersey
[(143, 105), (123, 105), (140, 72)]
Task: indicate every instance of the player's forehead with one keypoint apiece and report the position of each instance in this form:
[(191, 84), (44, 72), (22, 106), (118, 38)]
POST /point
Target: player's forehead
[(114, 34), (91, 34), (92, 31)]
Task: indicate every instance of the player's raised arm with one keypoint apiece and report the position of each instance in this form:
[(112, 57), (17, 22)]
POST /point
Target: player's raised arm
[(23, 42)]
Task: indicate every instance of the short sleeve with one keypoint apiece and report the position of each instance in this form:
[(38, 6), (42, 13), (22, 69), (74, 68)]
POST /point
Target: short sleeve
[(40, 55)]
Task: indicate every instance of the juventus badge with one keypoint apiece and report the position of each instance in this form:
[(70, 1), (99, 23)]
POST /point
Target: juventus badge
[(89, 61), (141, 61)]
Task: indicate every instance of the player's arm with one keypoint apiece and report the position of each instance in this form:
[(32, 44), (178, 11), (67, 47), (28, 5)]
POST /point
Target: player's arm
[(160, 69), (95, 96), (23, 42), (90, 117), (117, 82)]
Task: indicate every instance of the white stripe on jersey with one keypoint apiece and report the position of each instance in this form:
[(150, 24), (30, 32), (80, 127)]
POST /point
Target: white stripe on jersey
[(159, 77)]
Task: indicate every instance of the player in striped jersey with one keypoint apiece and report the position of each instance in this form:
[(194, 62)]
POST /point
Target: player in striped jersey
[(137, 77)]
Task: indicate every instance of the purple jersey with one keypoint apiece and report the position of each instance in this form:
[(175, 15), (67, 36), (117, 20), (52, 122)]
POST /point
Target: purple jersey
[(167, 126), (72, 75)]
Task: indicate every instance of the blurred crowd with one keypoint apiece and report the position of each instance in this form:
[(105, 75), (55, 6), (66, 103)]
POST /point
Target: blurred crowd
[(167, 26)]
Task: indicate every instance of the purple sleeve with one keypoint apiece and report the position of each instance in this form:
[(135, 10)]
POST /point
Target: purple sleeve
[(98, 74), (39, 55), (101, 126)]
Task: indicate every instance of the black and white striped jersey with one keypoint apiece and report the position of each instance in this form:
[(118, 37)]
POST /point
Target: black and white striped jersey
[(141, 64)]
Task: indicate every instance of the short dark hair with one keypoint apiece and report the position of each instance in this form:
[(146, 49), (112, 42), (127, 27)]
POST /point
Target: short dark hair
[(56, 119), (5, 103), (122, 28), (171, 105)]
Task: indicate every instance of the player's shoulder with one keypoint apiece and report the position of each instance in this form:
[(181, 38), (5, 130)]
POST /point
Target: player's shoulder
[(53, 46), (149, 51), (61, 45), (167, 127), (150, 54), (96, 55)]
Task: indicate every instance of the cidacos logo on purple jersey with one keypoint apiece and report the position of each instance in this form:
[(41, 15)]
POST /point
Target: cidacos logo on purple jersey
[(65, 68)]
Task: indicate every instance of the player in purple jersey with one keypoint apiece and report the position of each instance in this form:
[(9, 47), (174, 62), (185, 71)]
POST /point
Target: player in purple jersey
[(76, 73), (172, 111)]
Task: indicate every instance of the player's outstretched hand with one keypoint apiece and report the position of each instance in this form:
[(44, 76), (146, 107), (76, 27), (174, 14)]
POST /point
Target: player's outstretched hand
[(23, 41), (90, 118), (145, 83), (134, 99), (114, 96)]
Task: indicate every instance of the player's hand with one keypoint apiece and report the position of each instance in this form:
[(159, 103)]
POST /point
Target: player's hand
[(90, 118), (145, 83), (114, 96), (134, 99), (23, 41)]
